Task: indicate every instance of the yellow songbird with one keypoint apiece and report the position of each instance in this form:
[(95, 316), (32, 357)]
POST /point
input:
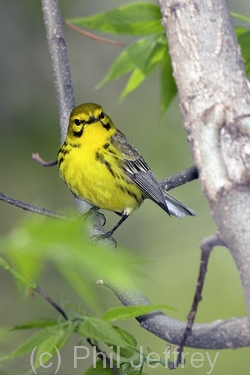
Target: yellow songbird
[(100, 165)]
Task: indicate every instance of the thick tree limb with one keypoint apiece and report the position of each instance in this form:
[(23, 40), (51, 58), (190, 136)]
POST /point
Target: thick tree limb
[(63, 85), (215, 100), (60, 64), (220, 334)]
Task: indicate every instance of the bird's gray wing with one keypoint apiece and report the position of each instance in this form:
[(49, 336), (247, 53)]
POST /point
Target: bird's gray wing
[(138, 170)]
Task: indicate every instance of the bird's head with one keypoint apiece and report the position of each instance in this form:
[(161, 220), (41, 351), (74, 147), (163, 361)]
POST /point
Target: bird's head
[(89, 114)]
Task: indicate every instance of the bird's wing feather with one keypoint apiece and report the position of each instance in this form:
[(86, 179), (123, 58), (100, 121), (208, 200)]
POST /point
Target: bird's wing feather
[(138, 171)]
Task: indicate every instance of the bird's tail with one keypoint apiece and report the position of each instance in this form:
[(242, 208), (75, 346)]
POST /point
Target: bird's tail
[(177, 208)]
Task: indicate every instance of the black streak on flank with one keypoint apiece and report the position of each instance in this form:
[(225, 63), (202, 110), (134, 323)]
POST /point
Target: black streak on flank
[(99, 157), (129, 192), (132, 194), (113, 152), (78, 134), (105, 146), (106, 126), (74, 145), (122, 188), (60, 161), (64, 151)]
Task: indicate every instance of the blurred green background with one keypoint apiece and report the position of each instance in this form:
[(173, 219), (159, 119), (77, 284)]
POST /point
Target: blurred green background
[(29, 123)]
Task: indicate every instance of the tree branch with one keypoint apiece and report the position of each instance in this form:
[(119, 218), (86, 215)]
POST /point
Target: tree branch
[(206, 246), (64, 91), (51, 302), (220, 334), (180, 178), (215, 99), (60, 64), (34, 209)]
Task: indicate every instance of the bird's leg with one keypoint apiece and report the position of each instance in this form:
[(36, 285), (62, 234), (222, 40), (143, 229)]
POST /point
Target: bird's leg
[(111, 232)]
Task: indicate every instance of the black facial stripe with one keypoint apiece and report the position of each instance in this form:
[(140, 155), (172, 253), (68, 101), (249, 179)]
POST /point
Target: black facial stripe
[(106, 126), (79, 133)]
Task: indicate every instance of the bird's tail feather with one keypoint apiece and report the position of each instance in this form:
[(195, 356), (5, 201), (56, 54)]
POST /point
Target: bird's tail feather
[(177, 208)]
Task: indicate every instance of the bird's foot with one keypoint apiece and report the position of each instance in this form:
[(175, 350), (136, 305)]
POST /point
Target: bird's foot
[(104, 239)]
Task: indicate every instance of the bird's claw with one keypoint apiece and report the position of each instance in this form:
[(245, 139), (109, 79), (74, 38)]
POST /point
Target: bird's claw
[(105, 238)]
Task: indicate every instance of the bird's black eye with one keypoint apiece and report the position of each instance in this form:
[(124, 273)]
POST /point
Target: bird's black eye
[(77, 121), (101, 116)]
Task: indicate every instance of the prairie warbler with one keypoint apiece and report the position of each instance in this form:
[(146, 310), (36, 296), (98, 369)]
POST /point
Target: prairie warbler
[(100, 165)]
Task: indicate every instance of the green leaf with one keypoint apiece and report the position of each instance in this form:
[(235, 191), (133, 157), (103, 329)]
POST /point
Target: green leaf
[(62, 243), (129, 351), (141, 18), (27, 346), (99, 368), (128, 312), (240, 17), (16, 274), (133, 57), (100, 330), (141, 58), (147, 65), (34, 341), (48, 340), (81, 286), (40, 323), (244, 42), (168, 85), (58, 338), (4, 264), (239, 30)]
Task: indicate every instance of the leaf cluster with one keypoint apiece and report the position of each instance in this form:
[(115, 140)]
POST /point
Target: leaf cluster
[(144, 55), (38, 240), (53, 335), (149, 52)]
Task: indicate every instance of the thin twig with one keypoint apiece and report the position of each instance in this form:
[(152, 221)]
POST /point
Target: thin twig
[(206, 246), (92, 36), (35, 156), (180, 178), (34, 209), (54, 304)]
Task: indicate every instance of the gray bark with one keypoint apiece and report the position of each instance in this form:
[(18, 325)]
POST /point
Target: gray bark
[(215, 103)]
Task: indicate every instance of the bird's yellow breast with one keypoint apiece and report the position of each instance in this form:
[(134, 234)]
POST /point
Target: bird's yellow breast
[(92, 168)]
